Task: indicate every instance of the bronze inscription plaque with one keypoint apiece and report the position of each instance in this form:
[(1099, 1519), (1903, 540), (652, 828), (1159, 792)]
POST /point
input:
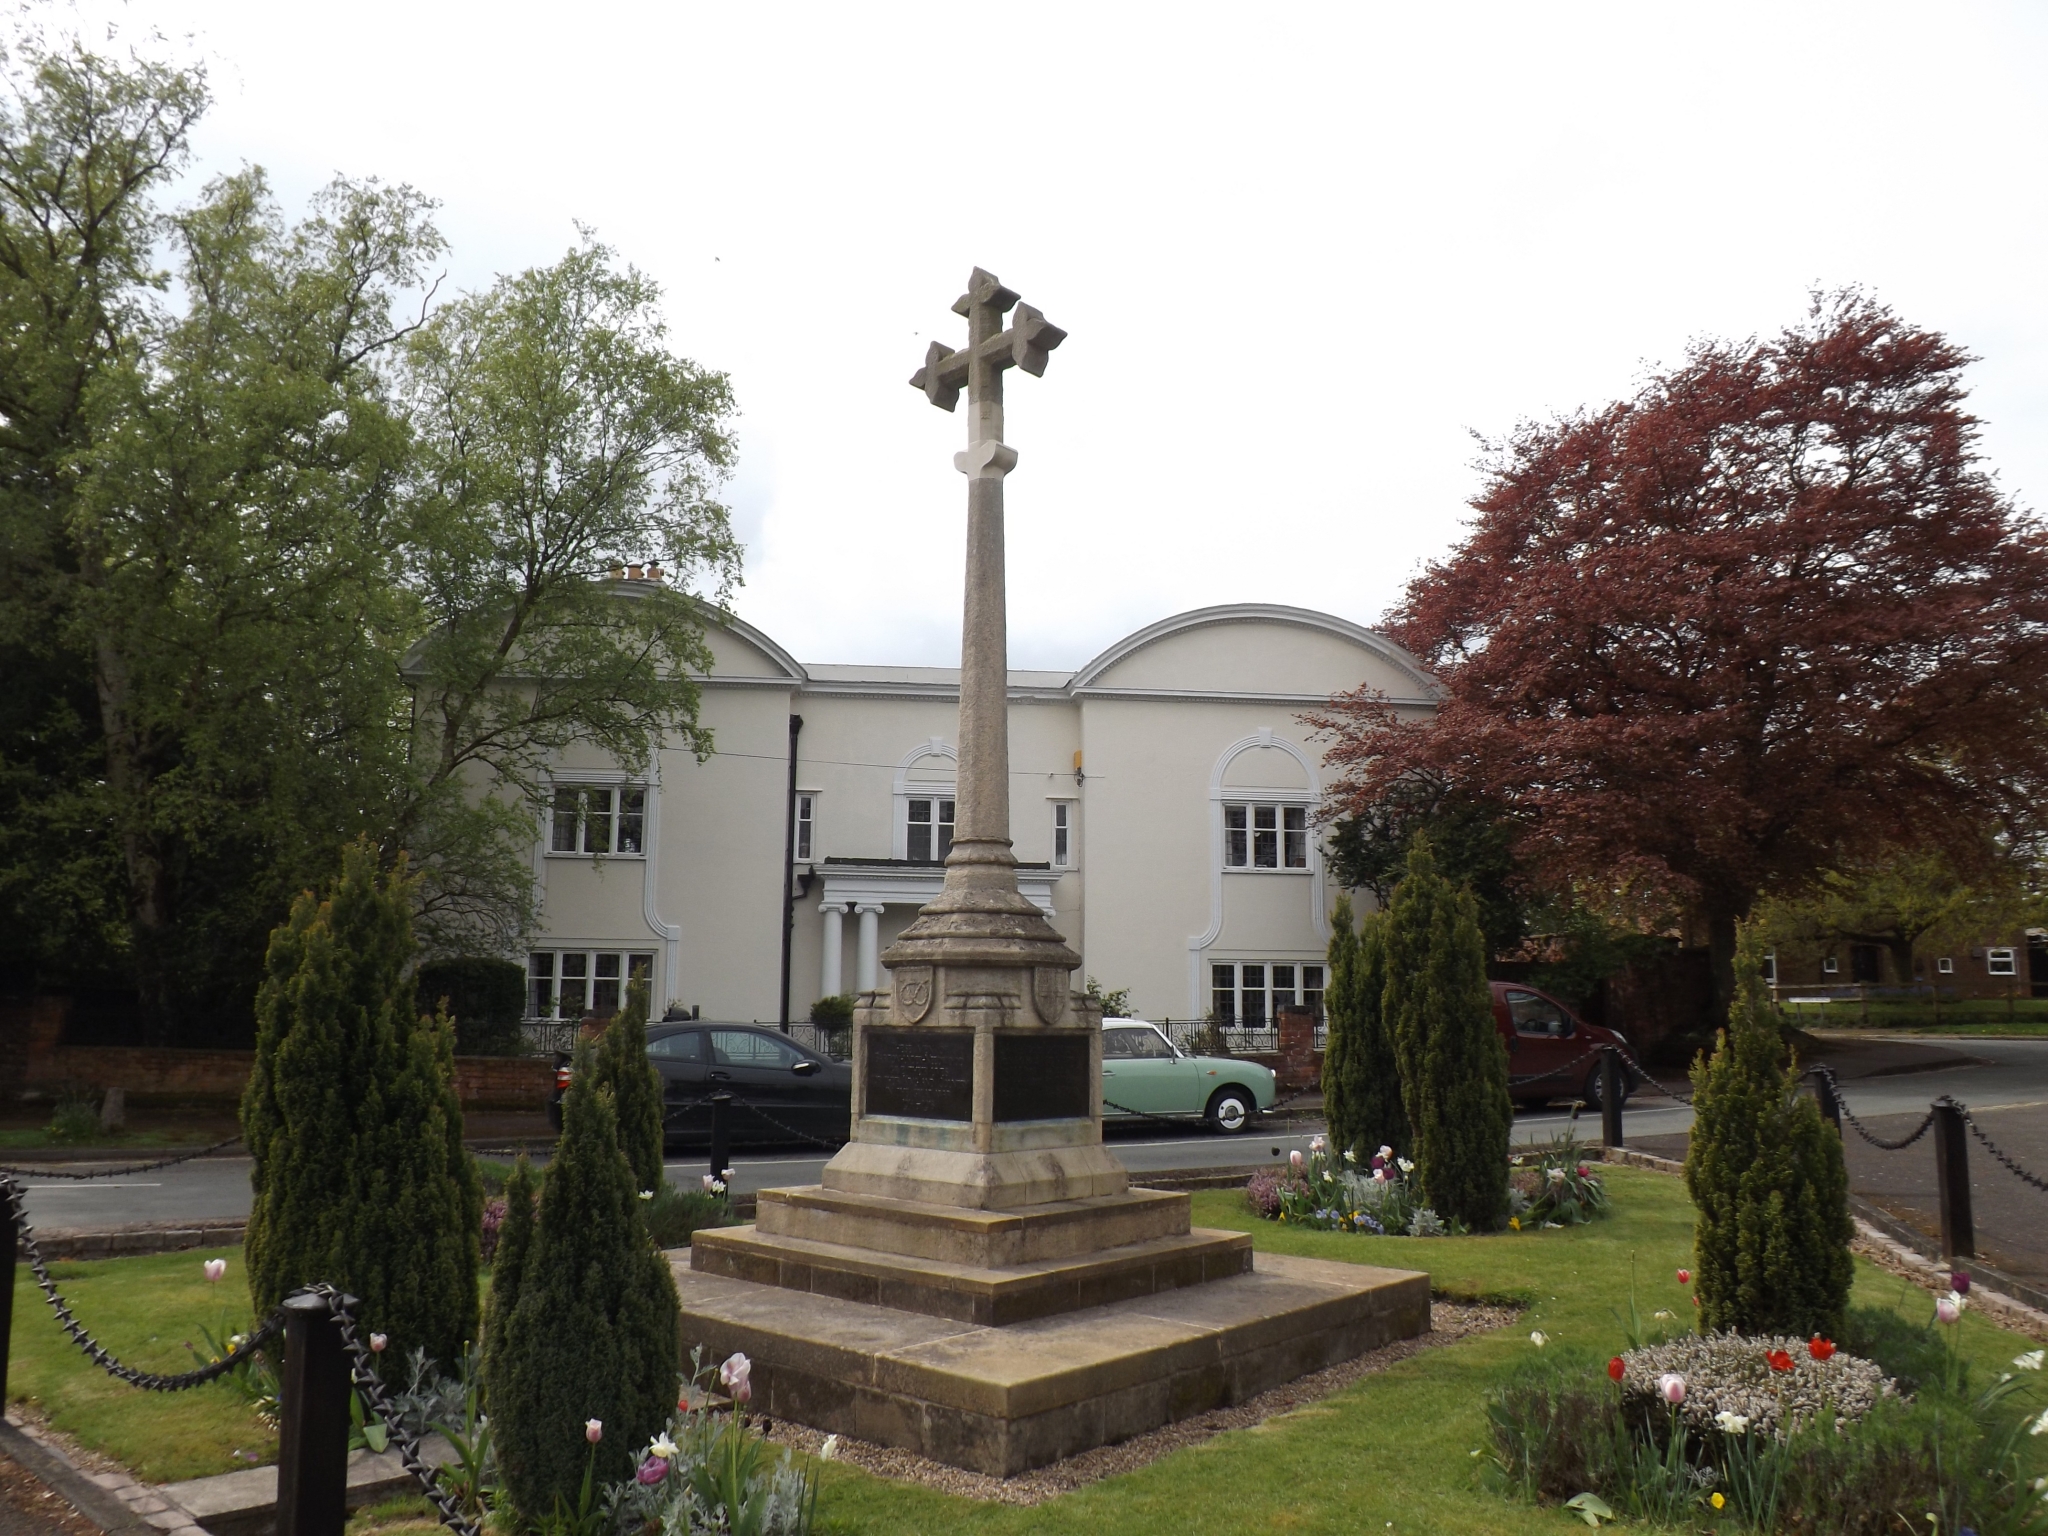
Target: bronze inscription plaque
[(924, 1074), (1042, 1076)]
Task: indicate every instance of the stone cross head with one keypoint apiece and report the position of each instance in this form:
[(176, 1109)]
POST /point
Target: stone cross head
[(978, 368)]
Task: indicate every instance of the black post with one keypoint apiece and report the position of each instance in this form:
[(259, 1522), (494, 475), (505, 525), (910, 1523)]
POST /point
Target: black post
[(1830, 1105), (312, 1435), (12, 1233), (796, 726), (1952, 1180), (721, 1134), (1610, 1096)]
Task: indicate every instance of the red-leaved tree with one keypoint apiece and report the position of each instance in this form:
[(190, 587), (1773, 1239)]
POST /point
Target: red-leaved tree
[(1768, 612)]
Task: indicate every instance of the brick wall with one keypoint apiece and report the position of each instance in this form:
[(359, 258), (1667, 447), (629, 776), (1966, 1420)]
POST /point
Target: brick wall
[(164, 1078)]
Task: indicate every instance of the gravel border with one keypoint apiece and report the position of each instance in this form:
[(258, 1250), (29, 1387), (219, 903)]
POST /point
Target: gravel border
[(1449, 1321)]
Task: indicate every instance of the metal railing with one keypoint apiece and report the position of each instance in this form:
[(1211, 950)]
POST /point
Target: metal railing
[(1206, 1037)]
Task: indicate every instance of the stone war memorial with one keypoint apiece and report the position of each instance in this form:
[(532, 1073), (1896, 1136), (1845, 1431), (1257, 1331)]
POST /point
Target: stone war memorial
[(975, 1279)]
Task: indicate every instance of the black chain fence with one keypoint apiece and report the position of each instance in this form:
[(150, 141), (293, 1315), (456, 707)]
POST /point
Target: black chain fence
[(1834, 1088), (362, 1368), (121, 1172), (2004, 1160)]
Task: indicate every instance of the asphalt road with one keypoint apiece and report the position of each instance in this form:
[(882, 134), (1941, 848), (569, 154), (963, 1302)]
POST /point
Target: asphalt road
[(2007, 1091)]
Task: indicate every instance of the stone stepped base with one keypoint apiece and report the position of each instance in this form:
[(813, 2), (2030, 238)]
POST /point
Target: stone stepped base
[(994, 1296), (1004, 1400), (961, 1235)]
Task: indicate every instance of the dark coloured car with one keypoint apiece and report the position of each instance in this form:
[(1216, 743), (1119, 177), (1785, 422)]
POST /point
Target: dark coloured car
[(781, 1092), (1552, 1052)]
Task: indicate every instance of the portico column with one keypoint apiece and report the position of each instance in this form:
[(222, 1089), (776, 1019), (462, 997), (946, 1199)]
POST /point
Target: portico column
[(870, 944), (835, 948)]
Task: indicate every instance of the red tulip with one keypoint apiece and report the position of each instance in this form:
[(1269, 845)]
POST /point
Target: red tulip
[(1616, 1369), (1780, 1360), (1820, 1348), (1685, 1277)]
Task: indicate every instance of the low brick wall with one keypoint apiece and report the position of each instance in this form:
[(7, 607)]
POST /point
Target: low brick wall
[(166, 1077)]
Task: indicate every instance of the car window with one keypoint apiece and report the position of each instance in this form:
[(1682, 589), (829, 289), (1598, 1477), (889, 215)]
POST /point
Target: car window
[(1117, 1042), (684, 1045), (1534, 1015), (1150, 1044), (744, 1048)]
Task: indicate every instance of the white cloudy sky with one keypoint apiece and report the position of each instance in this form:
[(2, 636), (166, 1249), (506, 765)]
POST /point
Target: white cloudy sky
[(1304, 252)]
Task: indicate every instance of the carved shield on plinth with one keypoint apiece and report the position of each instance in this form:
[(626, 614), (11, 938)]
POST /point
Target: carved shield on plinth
[(913, 992), (1049, 992)]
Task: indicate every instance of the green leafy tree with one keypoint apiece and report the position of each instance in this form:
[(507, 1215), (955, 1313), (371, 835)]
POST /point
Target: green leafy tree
[(1911, 901), (556, 438), (1361, 1074), (279, 567), (1454, 1071), (593, 1333), (195, 522), (1765, 1171), (625, 1073), (359, 1175), (508, 1266), (1472, 842), (1115, 1004)]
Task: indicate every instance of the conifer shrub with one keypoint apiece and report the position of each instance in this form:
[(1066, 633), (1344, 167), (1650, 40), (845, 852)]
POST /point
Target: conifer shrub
[(508, 1258), (624, 1071), (591, 1332), (1765, 1171), (354, 1126), (1361, 1077), (1453, 1070)]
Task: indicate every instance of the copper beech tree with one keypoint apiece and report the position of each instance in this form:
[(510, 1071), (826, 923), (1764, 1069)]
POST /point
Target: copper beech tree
[(1767, 613)]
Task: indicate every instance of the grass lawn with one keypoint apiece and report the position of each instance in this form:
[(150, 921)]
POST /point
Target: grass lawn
[(142, 1310), (1392, 1452)]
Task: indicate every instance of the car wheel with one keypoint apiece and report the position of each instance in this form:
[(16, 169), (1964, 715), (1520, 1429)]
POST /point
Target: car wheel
[(1591, 1094), (1231, 1110)]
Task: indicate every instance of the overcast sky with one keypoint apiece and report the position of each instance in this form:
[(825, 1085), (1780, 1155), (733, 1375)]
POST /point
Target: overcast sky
[(1304, 252)]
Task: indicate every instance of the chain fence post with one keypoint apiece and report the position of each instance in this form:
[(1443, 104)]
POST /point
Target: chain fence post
[(13, 1235), (312, 1439), (1952, 1180), (1830, 1104), (1610, 1096), (721, 1134)]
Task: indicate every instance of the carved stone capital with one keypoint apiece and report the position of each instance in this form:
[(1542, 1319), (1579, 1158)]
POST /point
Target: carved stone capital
[(987, 459)]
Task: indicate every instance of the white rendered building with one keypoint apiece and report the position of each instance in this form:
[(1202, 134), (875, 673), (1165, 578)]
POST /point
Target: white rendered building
[(1163, 802)]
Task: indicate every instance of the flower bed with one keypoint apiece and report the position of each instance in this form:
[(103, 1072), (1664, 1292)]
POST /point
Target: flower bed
[(1328, 1193), (1768, 1433), (1766, 1386)]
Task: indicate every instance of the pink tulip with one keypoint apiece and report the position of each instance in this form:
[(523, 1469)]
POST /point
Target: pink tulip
[(593, 1430), (1294, 1158), (708, 1182), (736, 1377), (1671, 1387), (652, 1471), (1948, 1309), (377, 1343), (216, 1269)]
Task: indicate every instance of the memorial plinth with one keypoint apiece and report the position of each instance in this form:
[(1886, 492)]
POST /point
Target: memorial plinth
[(975, 1279)]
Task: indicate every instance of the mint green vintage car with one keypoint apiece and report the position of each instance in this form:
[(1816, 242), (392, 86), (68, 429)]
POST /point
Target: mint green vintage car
[(1146, 1073)]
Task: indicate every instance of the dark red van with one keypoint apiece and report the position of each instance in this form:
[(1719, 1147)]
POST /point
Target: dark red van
[(1552, 1052)]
